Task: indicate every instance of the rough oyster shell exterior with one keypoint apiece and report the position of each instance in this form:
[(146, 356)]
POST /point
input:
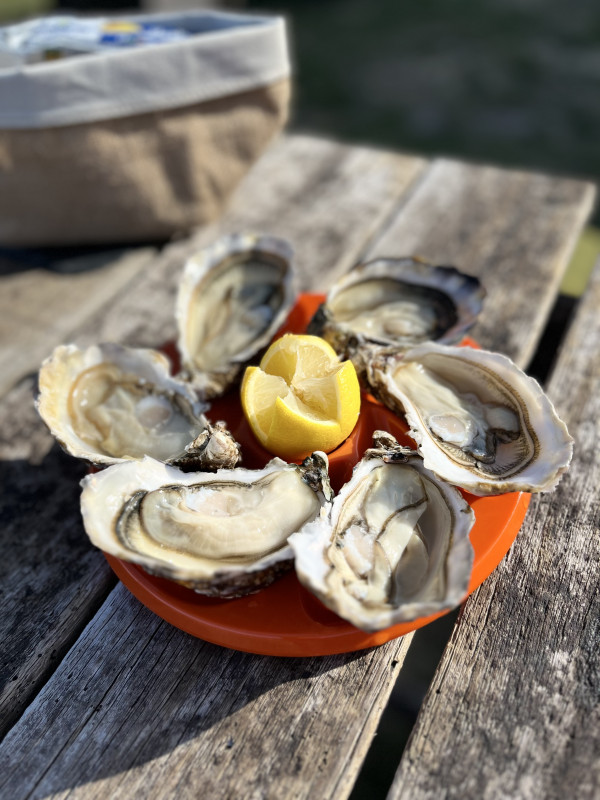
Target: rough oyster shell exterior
[(394, 544), (223, 534), (109, 403), (479, 421), (396, 302), (233, 297)]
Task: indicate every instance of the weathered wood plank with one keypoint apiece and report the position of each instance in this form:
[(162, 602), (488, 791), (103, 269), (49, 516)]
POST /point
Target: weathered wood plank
[(51, 581), (511, 229), (514, 709), (139, 709), (51, 578), (40, 308), (144, 317), (301, 186), (328, 216)]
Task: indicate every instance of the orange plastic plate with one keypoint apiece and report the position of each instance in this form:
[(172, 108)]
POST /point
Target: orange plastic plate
[(285, 619)]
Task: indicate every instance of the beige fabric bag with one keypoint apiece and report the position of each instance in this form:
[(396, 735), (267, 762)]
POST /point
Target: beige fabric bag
[(139, 144)]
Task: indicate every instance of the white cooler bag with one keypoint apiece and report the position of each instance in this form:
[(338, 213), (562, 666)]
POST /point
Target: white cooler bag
[(137, 144)]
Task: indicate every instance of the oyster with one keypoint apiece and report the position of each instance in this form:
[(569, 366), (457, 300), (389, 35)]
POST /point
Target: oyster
[(232, 299), (479, 421), (110, 403), (223, 533), (394, 545), (396, 302)]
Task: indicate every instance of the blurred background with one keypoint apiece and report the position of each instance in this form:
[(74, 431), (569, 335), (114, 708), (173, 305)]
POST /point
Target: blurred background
[(508, 82), (514, 82)]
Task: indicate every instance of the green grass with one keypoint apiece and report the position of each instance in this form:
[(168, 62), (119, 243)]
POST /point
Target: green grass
[(585, 256), (502, 82), (14, 10), (506, 83)]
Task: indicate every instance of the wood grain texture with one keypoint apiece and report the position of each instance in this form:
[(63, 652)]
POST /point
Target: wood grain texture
[(41, 308), (51, 579), (312, 192), (328, 199), (514, 709), (140, 709), (134, 703), (514, 230)]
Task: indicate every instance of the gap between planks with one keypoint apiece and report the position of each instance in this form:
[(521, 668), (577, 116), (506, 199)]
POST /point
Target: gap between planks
[(514, 708), (54, 591), (137, 708), (308, 254)]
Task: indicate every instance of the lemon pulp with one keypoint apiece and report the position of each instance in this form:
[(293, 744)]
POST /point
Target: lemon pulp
[(301, 398)]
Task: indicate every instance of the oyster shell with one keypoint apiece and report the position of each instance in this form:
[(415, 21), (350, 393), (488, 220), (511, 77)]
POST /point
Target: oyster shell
[(479, 421), (232, 299), (394, 544), (223, 534), (396, 302), (110, 403)]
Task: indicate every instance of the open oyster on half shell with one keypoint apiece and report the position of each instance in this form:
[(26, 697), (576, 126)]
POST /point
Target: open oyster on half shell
[(222, 534), (394, 544), (232, 299), (396, 302), (109, 403), (479, 421)]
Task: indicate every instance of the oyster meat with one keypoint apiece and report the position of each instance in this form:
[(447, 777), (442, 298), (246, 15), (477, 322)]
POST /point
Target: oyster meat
[(223, 533), (396, 302), (110, 403), (232, 299), (394, 544), (479, 421)]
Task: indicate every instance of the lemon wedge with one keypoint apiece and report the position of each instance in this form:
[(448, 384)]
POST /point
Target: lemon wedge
[(301, 398)]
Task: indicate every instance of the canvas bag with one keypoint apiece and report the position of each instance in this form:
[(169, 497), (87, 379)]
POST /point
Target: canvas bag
[(138, 144)]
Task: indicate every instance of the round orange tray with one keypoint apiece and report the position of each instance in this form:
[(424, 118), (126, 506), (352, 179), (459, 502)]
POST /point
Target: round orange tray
[(285, 619)]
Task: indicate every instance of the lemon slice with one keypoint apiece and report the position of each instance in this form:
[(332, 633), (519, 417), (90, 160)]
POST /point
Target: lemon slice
[(301, 398)]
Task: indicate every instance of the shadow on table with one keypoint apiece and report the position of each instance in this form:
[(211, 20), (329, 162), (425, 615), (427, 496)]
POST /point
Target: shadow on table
[(47, 565), (65, 260), (400, 715), (103, 684), (135, 690)]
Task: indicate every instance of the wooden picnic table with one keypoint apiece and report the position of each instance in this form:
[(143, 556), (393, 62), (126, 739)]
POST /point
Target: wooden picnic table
[(101, 698)]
